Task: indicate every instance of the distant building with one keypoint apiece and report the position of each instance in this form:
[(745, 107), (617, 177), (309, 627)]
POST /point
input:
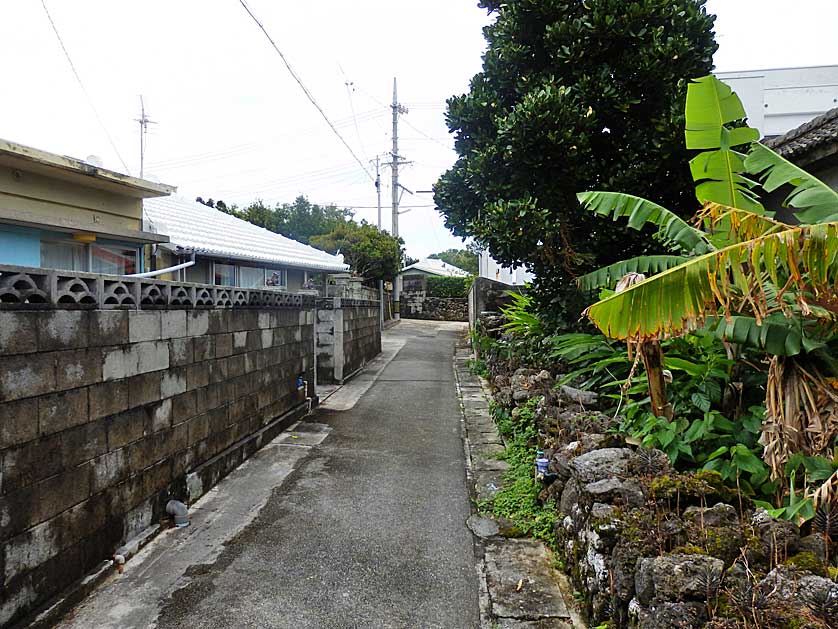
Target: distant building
[(493, 270), (782, 99), (413, 276), (231, 252), (62, 213)]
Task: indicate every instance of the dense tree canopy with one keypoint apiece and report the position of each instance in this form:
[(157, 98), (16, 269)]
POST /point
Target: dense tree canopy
[(464, 259), (574, 95), (370, 252)]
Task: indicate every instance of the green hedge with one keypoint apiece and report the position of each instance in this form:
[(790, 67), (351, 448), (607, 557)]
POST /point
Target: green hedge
[(448, 286)]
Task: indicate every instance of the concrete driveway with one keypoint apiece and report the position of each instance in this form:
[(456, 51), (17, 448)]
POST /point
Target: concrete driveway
[(365, 527)]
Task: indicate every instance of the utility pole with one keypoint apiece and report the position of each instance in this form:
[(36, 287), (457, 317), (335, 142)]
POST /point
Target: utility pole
[(397, 109), (144, 122)]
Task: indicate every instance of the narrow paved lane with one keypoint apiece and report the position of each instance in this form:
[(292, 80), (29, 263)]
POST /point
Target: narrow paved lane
[(369, 531)]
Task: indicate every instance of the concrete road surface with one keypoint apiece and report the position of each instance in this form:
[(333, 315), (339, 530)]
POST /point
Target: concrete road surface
[(356, 518)]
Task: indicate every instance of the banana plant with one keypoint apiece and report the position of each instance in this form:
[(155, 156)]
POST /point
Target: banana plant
[(745, 277)]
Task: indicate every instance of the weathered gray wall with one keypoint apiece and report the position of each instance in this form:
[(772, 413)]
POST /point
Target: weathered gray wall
[(487, 295), (348, 336), (106, 414), (417, 305), (361, 334)]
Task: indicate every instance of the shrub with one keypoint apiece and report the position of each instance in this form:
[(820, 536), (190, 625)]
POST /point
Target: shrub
[(439, 286)]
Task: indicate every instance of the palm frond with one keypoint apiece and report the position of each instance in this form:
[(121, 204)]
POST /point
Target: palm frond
[(607, 276), (717, 171), (775, 335), (736, 225), (812, 200), (673, 231), (725, 281)]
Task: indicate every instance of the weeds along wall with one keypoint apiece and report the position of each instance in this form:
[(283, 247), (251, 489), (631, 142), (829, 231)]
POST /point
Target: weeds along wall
[(106, 414)]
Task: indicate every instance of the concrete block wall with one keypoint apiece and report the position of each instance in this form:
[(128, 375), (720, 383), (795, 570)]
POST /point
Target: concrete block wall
[(361, 336), (107, 414), (348, 336), (418, 305)]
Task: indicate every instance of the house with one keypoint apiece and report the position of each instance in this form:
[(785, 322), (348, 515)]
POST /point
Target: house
[(413, 276), (230, 251), (58, 212), (781, 99), (489, 268)]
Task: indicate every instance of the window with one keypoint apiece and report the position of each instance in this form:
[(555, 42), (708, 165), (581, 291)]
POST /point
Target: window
[(251, 277), (113, 260), (224, 274), (64, 255), (198, 272)]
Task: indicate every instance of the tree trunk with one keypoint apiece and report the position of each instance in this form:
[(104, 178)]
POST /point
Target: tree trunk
[(652, 356)]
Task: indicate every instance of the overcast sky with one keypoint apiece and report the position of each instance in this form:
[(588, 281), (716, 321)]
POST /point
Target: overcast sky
[(231, 122)]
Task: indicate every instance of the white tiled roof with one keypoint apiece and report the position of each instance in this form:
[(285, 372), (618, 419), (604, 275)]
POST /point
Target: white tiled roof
[(208, 231), (437, 267)]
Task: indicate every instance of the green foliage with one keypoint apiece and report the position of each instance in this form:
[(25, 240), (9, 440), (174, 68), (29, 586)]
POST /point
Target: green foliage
[(521, 317), (441, 286), (465, 259), (517, 498), (370, 252), (477, 366), (559, 106)]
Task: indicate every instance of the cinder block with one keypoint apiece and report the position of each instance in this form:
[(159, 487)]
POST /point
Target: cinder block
[(29, 463), (26, 376), (173, 382), (151, 356), (62, 329), (108, 398), (18, 333), (264, 319), (208, 398), (235, 366), (197, 323), (159, 416), (125, 428), (108, 327), (254, 340), (109, 469), (223, 345), (173, 324), (60, 411), (184, 406), (204, 348), (267, 338), (241, 320), (180, 352), (143, 389), (239, 342), (197, 375), (218, 370), (78, 368), (219, 321), (144, 325), (18, 422)]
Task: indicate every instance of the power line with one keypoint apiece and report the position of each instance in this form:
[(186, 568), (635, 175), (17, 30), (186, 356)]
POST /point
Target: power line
[(83, 89), (305, 89)]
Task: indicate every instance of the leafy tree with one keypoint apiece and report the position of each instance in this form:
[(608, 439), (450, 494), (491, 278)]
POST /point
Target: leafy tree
[(408, 261), (464, 259), (574, 95), (370, 252), (301, 220)]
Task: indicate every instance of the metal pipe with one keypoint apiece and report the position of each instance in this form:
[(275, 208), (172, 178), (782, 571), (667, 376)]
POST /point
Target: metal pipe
[(177, 267)]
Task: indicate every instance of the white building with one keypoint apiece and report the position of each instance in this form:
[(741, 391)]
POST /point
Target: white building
[(782, 99), (493, 270)]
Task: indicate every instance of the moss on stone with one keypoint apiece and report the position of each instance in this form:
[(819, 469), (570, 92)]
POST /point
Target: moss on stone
[(806, 561), (689, 549)]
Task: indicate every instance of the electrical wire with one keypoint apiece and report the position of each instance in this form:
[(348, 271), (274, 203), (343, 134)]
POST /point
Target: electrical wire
[(305, 89), (83, 88)]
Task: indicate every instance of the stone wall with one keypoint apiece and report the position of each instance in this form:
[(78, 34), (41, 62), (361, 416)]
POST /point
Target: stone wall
[(417, 305), (348, 336), (107, 414)]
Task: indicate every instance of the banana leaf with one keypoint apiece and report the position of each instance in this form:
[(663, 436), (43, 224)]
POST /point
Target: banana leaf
[(609, 275), (711, 107), (804, 260), (811, 199), (673, 231)]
